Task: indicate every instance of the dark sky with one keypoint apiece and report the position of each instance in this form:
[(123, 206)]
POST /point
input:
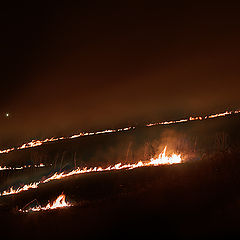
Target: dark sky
[(66, 68)]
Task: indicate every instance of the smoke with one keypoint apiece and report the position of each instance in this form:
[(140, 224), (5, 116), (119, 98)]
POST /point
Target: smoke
[(115, 66)]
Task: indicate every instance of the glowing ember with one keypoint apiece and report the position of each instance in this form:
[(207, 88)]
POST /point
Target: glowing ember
[(35, 143), (4, 168), (23, 167), (162, 159), (60, 202)]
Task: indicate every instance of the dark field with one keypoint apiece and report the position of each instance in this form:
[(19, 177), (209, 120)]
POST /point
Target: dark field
[(198, 198)]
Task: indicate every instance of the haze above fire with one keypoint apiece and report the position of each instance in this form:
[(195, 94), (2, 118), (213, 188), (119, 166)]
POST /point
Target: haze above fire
[(70, 68)]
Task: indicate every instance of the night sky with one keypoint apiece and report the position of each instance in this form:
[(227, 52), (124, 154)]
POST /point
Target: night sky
[(68, 68)]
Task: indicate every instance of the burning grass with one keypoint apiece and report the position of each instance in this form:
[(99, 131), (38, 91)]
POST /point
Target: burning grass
[(192, 198), (35, 143), (23, 167), (182, 197), (60, 202), (162, 159)]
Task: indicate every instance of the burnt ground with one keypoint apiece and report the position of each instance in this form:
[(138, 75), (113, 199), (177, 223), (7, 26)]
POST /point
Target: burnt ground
[(197, 199)]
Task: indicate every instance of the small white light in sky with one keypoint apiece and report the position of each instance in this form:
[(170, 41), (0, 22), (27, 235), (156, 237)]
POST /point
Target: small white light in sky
[(7, 114)]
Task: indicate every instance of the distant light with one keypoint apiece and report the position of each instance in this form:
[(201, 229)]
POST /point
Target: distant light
[(7, 114)]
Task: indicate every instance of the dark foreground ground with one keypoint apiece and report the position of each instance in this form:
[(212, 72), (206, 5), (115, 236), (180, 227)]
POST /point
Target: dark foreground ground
[(191, 200)]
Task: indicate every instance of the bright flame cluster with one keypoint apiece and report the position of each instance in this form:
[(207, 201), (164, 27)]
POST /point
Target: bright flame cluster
[(35, 143), (162, 159), (60, 202)]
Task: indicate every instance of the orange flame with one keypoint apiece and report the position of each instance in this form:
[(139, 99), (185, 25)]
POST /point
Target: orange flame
[(20, 189), (35, 143), (60, 202), (162, 159)]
